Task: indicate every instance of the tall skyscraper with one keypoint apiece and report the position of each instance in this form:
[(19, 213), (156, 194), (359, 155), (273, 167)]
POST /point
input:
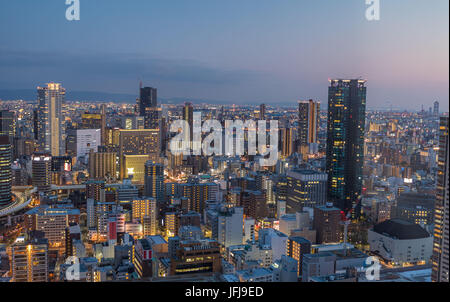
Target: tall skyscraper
[(50, 128), (41, 172), (436, 108), (262, 111), (287, 141), (440, 258), (148, 108), (345, 142), (308, 122), (147, 98), (154, 180), (103, 121), (5, 171), (188, 115), (7, 124), (36, 123)]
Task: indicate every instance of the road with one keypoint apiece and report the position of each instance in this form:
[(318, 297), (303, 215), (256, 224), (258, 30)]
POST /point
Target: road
[(23, 199)]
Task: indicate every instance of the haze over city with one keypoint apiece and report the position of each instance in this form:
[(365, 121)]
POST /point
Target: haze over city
[(211, 149)]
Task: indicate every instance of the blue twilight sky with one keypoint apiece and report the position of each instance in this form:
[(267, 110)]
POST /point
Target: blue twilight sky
[(241, 51)]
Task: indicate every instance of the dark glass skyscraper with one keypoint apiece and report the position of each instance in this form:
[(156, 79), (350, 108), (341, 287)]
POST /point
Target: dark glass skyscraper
[(5, 171), (308, 122), (262, 111), (440, 258), (147, 99), (188, 115), (345, 142), (7, 123), (154, 181), (148, 108)]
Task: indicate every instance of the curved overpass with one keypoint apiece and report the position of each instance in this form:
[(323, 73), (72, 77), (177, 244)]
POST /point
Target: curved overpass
[(23, 199)]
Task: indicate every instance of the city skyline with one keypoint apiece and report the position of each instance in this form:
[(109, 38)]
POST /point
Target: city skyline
[(243, 55), (206, 142)]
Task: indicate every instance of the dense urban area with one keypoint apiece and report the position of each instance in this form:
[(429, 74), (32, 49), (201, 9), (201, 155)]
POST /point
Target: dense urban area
[(92, 192)]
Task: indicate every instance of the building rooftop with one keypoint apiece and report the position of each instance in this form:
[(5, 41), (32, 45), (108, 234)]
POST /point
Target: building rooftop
[(230, 278), (402, 230), (327, 208), (300, 240)]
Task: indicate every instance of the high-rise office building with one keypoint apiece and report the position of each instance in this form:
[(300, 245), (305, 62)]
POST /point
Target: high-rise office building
[(103, 165), (287, 141), (152, 118), (36, 123), (7, 124), (50, 120), (5, 171), (81, 141), (29, 261), (308, 122), (188, 115), (345, 142), (148, 108), (254, 204), (134, 168), (129, 122), (305, 188), (230, 226), (154, 180), (440, 258), (91, 121), (436, 108), (327, 223), (147, 99), (41, 172), (112, 137), (138, 142), (262, 111), (95, 121), (23, 146)]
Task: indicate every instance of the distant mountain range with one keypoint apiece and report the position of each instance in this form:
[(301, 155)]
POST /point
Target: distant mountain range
[(93, 96), (96, 96)]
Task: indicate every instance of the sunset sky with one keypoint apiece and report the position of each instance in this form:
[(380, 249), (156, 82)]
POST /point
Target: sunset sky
[(240, 51)]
